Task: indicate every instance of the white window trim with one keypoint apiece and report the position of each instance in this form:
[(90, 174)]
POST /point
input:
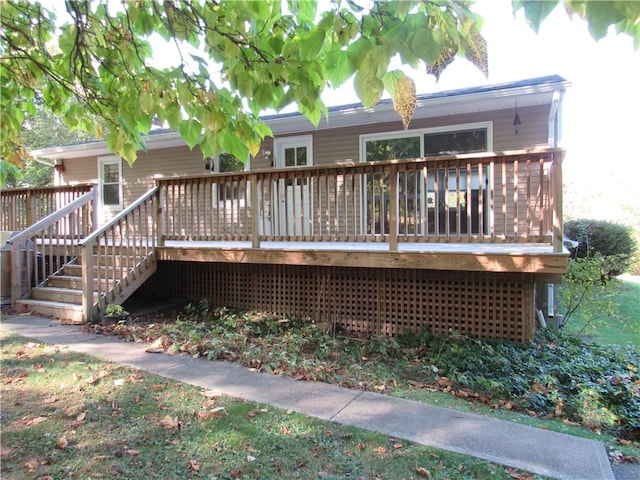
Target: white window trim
[(364, 138), (112, 159), (295, 141)]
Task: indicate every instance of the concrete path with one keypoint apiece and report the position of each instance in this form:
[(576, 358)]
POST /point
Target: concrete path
[(536, 450)]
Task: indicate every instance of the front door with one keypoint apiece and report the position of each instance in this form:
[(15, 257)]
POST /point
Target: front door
[(294, 194)]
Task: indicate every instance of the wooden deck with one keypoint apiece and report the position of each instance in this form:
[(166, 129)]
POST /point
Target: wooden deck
[(456, 243), (487, 257)]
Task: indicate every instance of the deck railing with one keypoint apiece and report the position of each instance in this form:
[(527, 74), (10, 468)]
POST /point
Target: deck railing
[(512, 197), (22, 207), (120, 255), (42, 249)]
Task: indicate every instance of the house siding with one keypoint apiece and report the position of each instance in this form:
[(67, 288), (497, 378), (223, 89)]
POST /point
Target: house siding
[(330, 146)]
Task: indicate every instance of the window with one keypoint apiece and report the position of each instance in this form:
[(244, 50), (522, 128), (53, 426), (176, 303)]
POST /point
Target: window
[(110, 182), (226, 163), (427, 205), (451, 143)]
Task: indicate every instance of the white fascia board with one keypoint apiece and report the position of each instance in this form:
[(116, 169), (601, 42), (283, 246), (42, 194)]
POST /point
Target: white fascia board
[(94, 149)]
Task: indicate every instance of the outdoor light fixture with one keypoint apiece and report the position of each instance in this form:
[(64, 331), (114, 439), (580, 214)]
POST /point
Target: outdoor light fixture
[(516, 119), (267, 156), (59, 166), (207, 163)]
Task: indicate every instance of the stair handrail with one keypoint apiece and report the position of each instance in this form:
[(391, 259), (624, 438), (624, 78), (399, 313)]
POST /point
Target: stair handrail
[(37, 228), (89, 242)]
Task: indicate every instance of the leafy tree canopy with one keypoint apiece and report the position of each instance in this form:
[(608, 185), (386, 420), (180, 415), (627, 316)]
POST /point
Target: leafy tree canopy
[(237, 59), (599, 14), (92, 66)]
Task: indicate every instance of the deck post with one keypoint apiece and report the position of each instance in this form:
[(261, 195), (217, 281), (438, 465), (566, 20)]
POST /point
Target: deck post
[(16, 273), (393, 208), (556, 189), (87, 281), (94, 208), (255, 212), (162, 198)]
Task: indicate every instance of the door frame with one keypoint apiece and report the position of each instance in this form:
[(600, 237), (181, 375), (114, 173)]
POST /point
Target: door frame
[(280, 144)]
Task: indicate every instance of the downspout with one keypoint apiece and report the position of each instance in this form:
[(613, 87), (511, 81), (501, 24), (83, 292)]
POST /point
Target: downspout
[(553, 138), (553, 134)]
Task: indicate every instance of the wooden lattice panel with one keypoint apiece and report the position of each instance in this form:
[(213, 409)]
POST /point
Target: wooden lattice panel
[(364, 300)]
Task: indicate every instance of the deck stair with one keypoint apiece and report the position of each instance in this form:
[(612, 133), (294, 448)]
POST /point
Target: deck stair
[(60, 295)]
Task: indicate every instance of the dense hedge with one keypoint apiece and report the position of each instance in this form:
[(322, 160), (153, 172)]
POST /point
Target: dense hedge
[(611, 240)]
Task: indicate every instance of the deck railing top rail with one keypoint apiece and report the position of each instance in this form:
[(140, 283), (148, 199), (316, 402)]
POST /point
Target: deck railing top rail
[(24, 206)]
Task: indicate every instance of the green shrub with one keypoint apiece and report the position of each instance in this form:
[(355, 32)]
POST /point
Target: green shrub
[(613, 241), (583, 289)]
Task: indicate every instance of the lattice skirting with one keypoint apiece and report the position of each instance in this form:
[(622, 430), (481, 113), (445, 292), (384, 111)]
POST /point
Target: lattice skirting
[(366, 300)]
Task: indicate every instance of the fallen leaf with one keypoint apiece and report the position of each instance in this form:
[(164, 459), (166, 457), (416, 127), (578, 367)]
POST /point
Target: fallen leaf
[(118, 382), (211, 394), (195, 466), (251, 458), (423, 472), (444, 382), (50, 400), (380, 450), (170, 422), (257, 411), (74, 410), (19, 378), (32, 465), (30, 422), (62, 443), (93, 379), (132, 453), (157, 387)]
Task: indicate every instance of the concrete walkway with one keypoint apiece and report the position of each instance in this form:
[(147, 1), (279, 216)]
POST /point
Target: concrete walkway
[(533, 449)]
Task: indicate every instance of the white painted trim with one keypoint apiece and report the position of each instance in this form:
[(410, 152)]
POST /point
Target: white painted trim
[(111, 159), (364, 138), (296, 141)]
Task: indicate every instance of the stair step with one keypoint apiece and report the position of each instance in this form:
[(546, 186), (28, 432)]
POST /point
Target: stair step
[(70, 281), (45, 308), (57, 294), (114, 260)]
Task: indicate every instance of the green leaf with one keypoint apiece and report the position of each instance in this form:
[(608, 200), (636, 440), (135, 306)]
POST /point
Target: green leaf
[(311, 44), (601, 15), (338, 67), (190, 131), (535, 11), (305, 10), (230, 143), (368, 88), (357, 51)]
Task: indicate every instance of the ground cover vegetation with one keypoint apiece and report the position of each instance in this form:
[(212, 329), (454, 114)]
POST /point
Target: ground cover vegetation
[(66, 415), (554, 377)]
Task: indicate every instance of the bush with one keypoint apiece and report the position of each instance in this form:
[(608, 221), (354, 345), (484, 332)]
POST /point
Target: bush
[(613, 241)]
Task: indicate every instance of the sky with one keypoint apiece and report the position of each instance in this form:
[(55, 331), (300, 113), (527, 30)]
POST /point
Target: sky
[(601, 131)]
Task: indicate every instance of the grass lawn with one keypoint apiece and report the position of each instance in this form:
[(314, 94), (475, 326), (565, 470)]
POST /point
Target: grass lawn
[(622, 325), (67, 415)]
